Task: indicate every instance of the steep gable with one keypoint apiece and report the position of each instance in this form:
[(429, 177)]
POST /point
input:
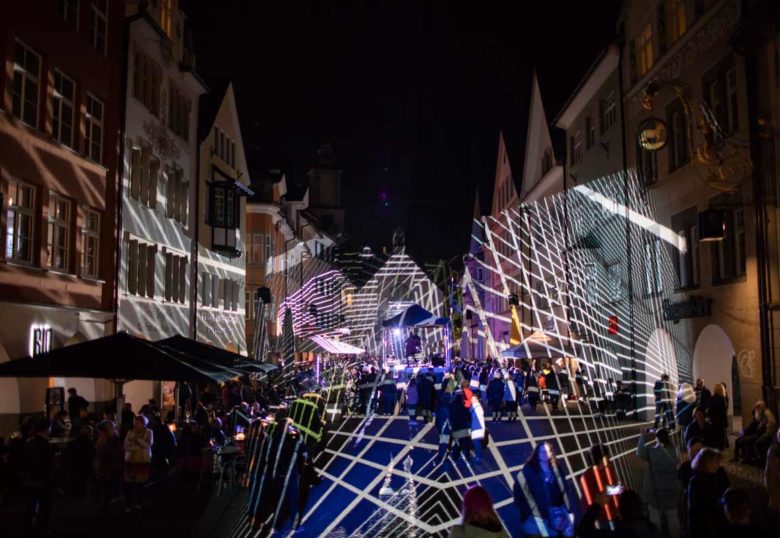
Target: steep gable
[(539, 146)]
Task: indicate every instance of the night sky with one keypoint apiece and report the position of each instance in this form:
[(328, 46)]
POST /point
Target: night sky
[(412, 95)]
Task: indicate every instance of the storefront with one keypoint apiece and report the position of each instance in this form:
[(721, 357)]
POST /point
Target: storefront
[(28, 330)]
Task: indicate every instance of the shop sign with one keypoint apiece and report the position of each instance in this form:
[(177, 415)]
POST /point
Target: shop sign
[(694, 306), (41, 337)]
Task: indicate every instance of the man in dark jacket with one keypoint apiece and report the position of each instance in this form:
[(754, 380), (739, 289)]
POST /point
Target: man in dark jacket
[(36, 472), (426, 393), (700, 428), (76, 403)]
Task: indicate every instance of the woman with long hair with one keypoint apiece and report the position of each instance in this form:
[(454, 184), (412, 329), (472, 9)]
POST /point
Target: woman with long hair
[(545, 498), (480, 519), (686, 401)]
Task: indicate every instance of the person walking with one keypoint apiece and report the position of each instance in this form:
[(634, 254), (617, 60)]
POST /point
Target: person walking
[(545, 498), (479, 518), (443, 425), (478, 429), (661, 488), (460, 419), (138, 462), (495, 394)]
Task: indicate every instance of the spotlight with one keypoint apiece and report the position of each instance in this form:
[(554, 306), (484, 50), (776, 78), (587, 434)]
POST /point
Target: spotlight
[(397, 331)]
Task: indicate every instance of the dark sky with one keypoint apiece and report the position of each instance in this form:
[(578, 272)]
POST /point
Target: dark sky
[(411, 95)]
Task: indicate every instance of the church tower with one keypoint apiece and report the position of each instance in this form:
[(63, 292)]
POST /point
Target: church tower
[(325, 192)]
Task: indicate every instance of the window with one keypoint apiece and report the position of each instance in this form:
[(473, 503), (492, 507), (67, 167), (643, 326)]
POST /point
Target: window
[(175, 277), (685, 225), (20, 222), (608, 111), (176, 195), (676, 13), (678, 135), (728, 255), (480, 275), (721, 95), (647, 166), (590, 133), (216, 290), (99, 25), (205, 289), (141, 268), (27, 73), (90, 244), (69, 11), (230, 292), (166, 17), (575, 144), (653, 266), (547, 161), (58, 238), (269, 247), (223, 217), (178, 112), (63, 97), (147, 79), (615, 282), (93, 145), (254, 254), (643, 45), (144, 171)]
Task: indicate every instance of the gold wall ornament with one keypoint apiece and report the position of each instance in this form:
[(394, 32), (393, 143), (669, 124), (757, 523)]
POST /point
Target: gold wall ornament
[(653, 134)]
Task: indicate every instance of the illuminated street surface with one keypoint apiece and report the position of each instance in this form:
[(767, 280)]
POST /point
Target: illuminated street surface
[(354, 468)]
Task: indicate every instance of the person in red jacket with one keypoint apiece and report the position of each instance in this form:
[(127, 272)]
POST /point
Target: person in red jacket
[(600, 477), (467, 393)]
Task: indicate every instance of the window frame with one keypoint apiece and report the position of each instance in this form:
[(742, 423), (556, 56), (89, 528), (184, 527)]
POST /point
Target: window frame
[(98, 15), (62, 10), (56, 227), (12, 249), (678, 138), (91, 123), (25, 77), (88, 235), (58, 102)]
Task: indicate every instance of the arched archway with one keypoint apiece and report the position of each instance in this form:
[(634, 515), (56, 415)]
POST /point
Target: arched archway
[(713, 358)]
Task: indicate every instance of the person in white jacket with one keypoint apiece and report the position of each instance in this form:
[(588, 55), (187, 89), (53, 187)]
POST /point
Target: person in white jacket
[(478, 430), (138, 461)]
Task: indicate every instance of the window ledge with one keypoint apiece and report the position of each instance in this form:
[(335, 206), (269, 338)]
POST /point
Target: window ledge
[(59, 272), (24, 265), (92, 279)]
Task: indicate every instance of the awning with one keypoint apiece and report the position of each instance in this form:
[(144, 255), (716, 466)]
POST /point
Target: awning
[(414, 316), (540, 346), (117, 357), (202, 351), (335, 347)]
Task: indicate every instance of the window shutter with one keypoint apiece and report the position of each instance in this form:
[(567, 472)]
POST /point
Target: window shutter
[(132, 266), (183, 195), (150, 284), (183, 280), (135, 173), (168, 275), (154, 172)]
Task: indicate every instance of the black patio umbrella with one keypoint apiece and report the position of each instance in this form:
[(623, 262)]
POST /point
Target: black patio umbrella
[(202, 351), (118, 357)]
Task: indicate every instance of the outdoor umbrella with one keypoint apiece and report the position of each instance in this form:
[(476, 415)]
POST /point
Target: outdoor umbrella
[(199, 350), (540, 346), (118, 357), (256, 367), (414, 316)]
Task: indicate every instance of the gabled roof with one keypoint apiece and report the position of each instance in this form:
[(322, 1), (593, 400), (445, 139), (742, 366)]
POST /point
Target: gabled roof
[(210, 103), (360, 267)]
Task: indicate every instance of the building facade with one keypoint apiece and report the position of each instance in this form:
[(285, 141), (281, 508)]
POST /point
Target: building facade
[(221, 247), (60, 113), (160, 172)]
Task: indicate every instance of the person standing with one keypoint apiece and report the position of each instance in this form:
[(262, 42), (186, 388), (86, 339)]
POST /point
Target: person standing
[(426, 390), (443, 425), (663, 403), (478, 430), (510, 398), (552, 382), (76, 403), (79, 456), (700, 428), (138, 462), (412, 398), (37, 461), (495, 394), (717, 412), (532, 389), (703, 394), (545, 498), (107, 465), (460, 419), (686, 401), (707, 485), (661, 488)]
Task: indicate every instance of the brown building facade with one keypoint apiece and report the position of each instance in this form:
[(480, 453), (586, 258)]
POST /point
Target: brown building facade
[(59, 125)]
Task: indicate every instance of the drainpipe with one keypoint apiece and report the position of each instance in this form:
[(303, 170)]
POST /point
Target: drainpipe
[(626, 203)]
